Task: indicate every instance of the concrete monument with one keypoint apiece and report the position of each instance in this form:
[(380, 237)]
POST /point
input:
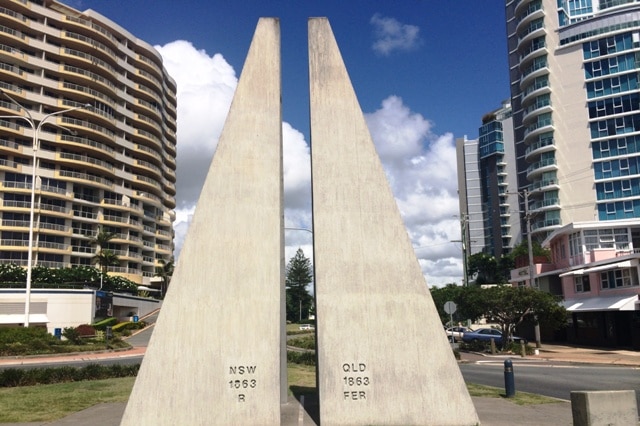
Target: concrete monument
[(383, 357), (217, 355)]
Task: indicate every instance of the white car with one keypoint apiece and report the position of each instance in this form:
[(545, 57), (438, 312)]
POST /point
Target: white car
[(307, 327), (457, 333)]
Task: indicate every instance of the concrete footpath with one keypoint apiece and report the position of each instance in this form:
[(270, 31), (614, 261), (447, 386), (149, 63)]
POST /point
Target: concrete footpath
[(491, 411)]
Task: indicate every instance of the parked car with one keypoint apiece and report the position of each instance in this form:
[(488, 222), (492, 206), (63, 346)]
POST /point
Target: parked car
[(307, 327), (456, 333), (486, 334)]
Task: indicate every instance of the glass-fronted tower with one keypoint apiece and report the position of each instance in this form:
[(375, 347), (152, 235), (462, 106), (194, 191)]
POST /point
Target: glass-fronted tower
[(109, 167)]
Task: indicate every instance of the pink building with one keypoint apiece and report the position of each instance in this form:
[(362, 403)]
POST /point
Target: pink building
[(594, 267)]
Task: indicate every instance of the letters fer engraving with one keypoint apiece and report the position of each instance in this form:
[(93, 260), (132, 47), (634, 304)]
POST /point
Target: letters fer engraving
[(245, 382), (355, 381)]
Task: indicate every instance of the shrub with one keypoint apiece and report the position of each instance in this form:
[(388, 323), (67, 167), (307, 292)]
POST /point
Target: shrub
[(72, 335), (305, 358), (307, 342), (103, 324), (24, 335), (129, 325), (13, 377), (86, 330)]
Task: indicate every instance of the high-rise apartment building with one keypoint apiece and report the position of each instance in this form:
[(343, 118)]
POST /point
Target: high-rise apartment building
[(575, 94), (111, 166), (488, 187), (576, 114)]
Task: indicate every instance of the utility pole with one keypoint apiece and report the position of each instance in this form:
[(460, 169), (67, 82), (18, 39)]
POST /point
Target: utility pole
[(527, 216), (532, 269)]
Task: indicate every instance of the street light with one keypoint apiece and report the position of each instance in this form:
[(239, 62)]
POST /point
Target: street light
[(35, 127)]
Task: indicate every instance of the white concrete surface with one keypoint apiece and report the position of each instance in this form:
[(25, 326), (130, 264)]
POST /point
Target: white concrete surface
[(604, 408), (382, 355), (215, 355)]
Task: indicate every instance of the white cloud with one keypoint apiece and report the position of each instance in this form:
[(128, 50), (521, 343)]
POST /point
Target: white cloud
[(420, 165), (421, 169), (392, 35)]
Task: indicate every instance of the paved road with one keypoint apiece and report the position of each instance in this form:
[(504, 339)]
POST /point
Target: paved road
[(553, 378)]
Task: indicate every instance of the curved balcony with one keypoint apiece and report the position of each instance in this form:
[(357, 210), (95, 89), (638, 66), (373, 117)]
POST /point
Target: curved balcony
[(534, 130), (163, 235), (149, 108), (170, 202), (533, 52), (147, 197), (543, 205), (148, 168), (539, 147), (545, 225), (171, 163), (86, 126), (532, 72), (87, 144), (531, 33), (150, 138), (53, 229), (53, 247), (148, 183), (543, 185), (91, 28), (534, 90), (85, 178), (164, 248), (89, 78), (531, 13), (540, 106), (80, 58), (86, 162), (540, 167), (149, 78), (147, 152)]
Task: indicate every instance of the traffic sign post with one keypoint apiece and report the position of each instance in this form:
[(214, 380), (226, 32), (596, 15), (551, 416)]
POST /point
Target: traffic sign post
[(450, 307)]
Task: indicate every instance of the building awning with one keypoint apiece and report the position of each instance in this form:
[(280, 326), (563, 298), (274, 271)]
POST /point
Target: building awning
[(625, 264), (610, 303), (19, 319), (576, 272), (145, 288)]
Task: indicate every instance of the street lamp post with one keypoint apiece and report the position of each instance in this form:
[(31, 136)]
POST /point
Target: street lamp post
[(35, 127)]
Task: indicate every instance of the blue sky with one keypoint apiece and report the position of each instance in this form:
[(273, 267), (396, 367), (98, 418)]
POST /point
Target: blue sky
[(455, 73), (425, 72)]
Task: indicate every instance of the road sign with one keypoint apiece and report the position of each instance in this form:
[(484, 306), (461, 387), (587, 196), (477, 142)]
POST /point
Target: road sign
[(450, 307)]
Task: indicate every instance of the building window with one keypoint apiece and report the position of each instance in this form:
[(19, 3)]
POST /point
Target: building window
[(618, 278), (582, 284)]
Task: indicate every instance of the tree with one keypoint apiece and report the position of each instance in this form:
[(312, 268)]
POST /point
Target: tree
[(465, 298), (509, 306), (104, 257), (299, 275), (165, 271), (488, 268), (522, 250)]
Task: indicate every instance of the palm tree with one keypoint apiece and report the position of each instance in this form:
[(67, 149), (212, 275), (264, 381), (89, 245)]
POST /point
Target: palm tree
[(104, 257), (164, 271)]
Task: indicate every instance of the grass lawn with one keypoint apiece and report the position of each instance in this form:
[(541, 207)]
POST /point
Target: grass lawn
[(51, 402)]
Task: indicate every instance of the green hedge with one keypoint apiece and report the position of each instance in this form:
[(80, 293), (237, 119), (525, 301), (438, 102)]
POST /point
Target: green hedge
[(13, 377)]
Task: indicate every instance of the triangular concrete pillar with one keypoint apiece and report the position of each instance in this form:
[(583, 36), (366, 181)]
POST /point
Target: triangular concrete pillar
[(217, 356), (383, 357)]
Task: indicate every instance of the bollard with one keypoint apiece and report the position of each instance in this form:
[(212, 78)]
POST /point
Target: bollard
[(493, 347), (509, 382)]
